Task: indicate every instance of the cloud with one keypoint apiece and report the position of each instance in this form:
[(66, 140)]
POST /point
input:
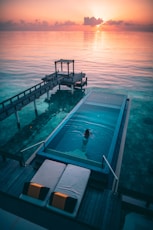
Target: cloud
[(66, 23), (92, 21), (37, 24), (7, 25), (129, 26), (114, 22)]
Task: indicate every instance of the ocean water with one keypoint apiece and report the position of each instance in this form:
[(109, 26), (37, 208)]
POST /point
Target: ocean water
[(114, 62)]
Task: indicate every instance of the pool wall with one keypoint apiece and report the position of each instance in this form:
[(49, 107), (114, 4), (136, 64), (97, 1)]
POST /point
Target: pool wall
[(116, 133), (93, 165)]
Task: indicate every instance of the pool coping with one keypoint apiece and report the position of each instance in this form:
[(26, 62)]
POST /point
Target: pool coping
[(105, 170)]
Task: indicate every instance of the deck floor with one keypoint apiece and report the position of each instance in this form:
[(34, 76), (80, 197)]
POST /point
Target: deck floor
[(94, 207), (13, 176)]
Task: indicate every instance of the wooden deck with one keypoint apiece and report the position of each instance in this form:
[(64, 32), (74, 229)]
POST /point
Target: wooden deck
[(96, 211), (71, 79), (17, 102)]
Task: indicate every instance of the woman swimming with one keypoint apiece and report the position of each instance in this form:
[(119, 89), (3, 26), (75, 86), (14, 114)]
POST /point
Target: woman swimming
[(85, 139), (87, 133)]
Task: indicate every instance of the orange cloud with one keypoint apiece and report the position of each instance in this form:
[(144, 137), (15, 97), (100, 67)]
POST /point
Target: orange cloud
[(92, 21)]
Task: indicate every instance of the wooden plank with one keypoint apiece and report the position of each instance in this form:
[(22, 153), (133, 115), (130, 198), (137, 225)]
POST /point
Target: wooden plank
[(93, 207), (12, 176), (15, 188)]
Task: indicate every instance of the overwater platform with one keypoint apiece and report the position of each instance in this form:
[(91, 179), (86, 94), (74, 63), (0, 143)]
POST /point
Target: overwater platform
[(106, 116)]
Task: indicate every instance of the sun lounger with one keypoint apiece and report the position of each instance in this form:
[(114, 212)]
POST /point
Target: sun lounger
[(57, 186), (38, 190), (69, 191)]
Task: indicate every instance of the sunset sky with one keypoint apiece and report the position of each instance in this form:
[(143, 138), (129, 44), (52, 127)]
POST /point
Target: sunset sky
[(58, 14)]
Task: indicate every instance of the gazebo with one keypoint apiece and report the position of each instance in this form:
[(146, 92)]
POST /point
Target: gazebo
[(64, 75), (63, 62)]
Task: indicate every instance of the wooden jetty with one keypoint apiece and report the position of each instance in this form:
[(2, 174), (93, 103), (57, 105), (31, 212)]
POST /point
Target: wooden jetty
[(68, 78)]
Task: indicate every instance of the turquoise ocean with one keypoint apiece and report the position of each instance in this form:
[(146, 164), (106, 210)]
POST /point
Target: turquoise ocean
[(114, 62)]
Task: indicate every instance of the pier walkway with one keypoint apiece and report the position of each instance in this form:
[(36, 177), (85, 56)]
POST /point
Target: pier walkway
[(58, 78), (17, 102)]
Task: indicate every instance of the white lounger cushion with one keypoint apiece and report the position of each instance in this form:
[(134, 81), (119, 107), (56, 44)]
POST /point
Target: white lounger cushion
[(73, 183), (47, 175)]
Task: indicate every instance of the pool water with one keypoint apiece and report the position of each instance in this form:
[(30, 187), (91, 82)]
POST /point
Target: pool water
[(99, 120), (99, 112)]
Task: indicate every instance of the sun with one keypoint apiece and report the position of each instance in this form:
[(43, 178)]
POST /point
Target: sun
[(98, 27)]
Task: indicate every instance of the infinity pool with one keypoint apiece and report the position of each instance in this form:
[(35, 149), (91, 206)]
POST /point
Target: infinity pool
[(100, 113)]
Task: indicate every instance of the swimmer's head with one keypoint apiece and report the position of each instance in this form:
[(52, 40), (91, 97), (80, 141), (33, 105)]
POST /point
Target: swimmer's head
[(87, 133)]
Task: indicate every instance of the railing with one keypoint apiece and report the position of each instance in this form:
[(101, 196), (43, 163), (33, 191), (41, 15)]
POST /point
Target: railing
[(22, 94), (112, 171), (23, 150), (19, 157)]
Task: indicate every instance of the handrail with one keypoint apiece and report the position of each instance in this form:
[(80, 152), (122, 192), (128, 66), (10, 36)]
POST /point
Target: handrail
[(23, 93), (23, 150), (110, 167)]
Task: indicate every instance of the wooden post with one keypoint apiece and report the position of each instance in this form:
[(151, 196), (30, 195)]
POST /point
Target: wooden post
[(72, 88), (18, 119), (81, 83), (86, 80), (36, 112), (55, 67), (73, 67), (61, 67), (68, 68), (48, 95)]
